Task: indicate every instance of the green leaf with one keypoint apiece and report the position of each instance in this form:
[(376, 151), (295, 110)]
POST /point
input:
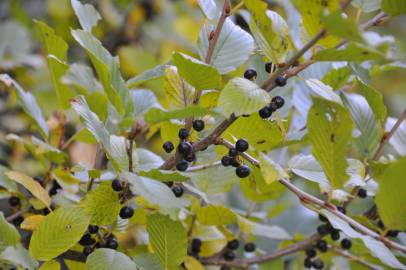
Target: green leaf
[(253, 228), (102, 205), (57, 232), (197, 73), (81, 76), (365, 122), (336, 78), (156, 115), (241, 96), (375, 100), (50, 265), (209, 8), (216, 215), (28, 103), (311, 11), (9, 235), (50, 152), (147, 160), (390, 197), (271, 171), (270, 30), (151, 74), (324, 91), (108, 259), (143, 100), (56, 50), (147, 261), (19, 256), (168, 240), (394, 7), (367, 5), (108, 70), (330, 127), (6, 182), (179, 92), (164, 175), (234, 46), (354, 52), (87, 15), (346, 28)]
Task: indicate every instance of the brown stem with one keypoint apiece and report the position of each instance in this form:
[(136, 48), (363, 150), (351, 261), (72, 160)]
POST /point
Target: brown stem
[(17, 214), (130, 155)]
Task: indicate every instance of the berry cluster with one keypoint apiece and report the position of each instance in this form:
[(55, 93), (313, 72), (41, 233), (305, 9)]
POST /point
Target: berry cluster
[(276, 103), (231, 159), (126, 212), (91, 240), (251, 74)]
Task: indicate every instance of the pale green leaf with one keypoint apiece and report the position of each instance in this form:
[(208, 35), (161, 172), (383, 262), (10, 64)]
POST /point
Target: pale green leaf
[(209, 8), (151, 74), (234, 46), (375, 100), (271, 171), (336, 78), (147, 160), (322, 90), (50, 265), (168, 240), (28, 103), (353, 52), (338, 25), (56, 50), (241, 96), (81, 76), (156, 115), (196, 73), (57, 232), (87, 15), (394, 7), (216, 215), (19, 256), (178, 91), (147, 261), (268, 231), (9, 235), (330, 127), (143, 100), (102, 205), (165, 176), (5, 182), (109, 259), (367, 5), (270, 30)]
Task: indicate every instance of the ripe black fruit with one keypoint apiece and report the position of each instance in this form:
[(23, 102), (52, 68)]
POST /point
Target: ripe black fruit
[(232, 152), (241, 145), (311, 252), (322, 218), (183, 133), (14, 201), (18, 220), (185, 148), (182, 165), (198, 125), (249, 247), (265, 113), (268, 67), (86, 240), (126, 212), (279, 101), (341, 209), (168, 146), (307, 262), (318, 264), (235, 163), (392, 233), (233, 244), (335, 235), (280, 81), (190, 157), (272, 107), (112, 244), (229, 255), (362, 193), (226, 161), (250, 74), (321, 245), (196, 245), (116, 185), (380, 224), (87, 250), (243, 171), (324, 229), (93, 229), (177, 190), (346, 243)]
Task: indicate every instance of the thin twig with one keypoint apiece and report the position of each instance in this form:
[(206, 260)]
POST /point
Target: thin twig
[(354, 258), (17, 214), (204, 166), (130, 155), (245, 155)]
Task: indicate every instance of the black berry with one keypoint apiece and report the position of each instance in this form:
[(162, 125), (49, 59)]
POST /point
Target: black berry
[(198, 125), (311, 252), (87, 250), (235, 163), (265, 113), (232, 152), (229, 255), (233, 244), (116, 185), (18, 220), (182, 165), (183, 133), (380, 224), (392, 233), (362, 193), (243, 171), (86, 240), (177, 190), (346, 243), (341, 209), (196, 245), (279, 101), (318, 264), (226, 161), (307, 262), (112, 244), (168, 146), (92, 229), (250, 74), (126, 212), (322, 218), (14, 201), (249, 247), (268, 67), (280, 81), (241, 145), (324, 229), (321, 245), (335, 235), (190, 157), (185, 148), (272, 107)]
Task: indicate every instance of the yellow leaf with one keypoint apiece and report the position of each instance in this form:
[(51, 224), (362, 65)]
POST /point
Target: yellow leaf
[(31, 185), (32, 222), (193, 264), (50, 265)]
